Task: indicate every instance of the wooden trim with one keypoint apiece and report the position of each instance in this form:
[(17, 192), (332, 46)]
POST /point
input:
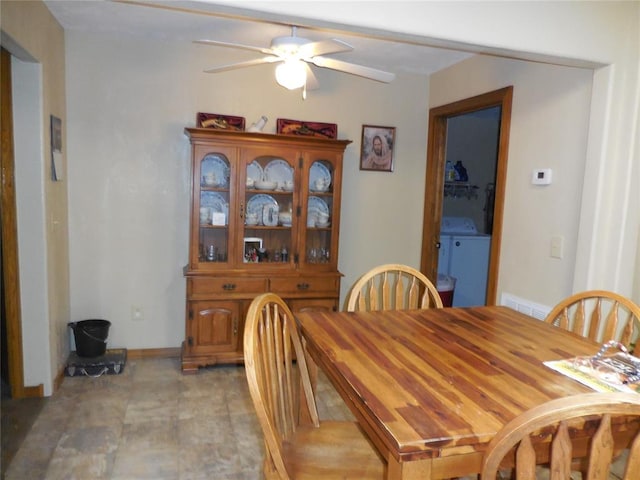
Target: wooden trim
[(9, 228), (153, 353), (433, 200), (33, 392), (57, 382)]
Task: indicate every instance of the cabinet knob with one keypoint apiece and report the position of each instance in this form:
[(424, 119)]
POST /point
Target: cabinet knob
[(438, 245), (229, 286), (457, 244), (303, 286)]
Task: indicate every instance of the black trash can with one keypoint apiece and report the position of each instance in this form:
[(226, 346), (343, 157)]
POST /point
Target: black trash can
[(91, 337)]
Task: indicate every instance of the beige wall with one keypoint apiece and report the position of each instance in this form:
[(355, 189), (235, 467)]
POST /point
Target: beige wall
[(549, 129), (129, 170), (31, 33)]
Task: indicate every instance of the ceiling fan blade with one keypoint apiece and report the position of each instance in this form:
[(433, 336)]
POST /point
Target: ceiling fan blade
[(216, 43), (352, 68), (323, 47), (248, 63), (312, 81)]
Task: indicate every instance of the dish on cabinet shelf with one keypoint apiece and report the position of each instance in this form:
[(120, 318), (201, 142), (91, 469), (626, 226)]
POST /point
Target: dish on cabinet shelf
[(285, 219), (256, 204), (317, 209), (270, 215), (265, 185), (279, 171), (319, 177), (214, 171), (254, 172), (215, 202)]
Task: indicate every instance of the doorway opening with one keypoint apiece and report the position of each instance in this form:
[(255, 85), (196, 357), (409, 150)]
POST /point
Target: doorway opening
[(440, 120)]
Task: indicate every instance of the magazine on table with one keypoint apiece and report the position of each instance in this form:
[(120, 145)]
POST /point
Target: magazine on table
[(606, 371)]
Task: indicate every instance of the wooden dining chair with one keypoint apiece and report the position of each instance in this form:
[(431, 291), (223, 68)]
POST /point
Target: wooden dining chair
[(545, 434), (393, 287), (298, 445), (599, 315)]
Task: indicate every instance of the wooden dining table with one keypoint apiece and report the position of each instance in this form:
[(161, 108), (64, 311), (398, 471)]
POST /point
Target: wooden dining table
[(432, 387)]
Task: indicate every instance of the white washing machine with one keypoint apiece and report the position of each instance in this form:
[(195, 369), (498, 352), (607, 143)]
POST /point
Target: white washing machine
[(464, 255)]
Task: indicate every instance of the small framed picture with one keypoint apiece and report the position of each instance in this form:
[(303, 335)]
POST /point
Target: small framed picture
[(377, 148), (220, 122), (251, 247)]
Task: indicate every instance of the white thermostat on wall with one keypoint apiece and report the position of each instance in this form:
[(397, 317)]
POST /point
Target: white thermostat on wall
[(541, 176)]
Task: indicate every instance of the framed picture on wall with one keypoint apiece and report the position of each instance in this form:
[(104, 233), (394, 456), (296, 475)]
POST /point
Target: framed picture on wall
[(376, 151)]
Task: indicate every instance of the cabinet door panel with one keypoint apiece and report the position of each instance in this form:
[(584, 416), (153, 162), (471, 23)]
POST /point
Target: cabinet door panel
[(270, 183), (320, 212), (212, 211), (215, 327)]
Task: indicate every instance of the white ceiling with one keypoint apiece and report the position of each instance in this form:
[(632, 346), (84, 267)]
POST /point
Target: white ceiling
[(185, 21)]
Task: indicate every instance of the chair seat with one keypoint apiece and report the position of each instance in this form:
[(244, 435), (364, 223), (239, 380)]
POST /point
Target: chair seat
[(335, 450)]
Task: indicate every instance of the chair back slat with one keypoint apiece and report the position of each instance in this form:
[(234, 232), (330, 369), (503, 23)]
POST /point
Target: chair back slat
[(579, 319), (626, 337), (611, 323), (559, 422), (277, 375), (393, 287), (599, 315), (399, 297), (414, 293), (526, 460), (633, 461), (386, 292), (561, 449), (595, 320), (601, 455)]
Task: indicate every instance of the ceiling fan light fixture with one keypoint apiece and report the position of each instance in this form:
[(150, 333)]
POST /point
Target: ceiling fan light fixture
[(291, 74)]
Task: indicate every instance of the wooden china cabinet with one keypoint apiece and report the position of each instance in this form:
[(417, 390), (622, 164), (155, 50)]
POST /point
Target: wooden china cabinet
[(265, 216)]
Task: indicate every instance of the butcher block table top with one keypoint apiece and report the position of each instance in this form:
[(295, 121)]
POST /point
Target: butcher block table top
[(432, 387)]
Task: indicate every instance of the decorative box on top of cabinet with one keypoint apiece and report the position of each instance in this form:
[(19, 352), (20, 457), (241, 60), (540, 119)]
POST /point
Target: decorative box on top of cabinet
[(249, 236)]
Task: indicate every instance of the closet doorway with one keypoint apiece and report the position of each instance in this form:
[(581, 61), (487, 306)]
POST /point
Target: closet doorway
[(435, 181)]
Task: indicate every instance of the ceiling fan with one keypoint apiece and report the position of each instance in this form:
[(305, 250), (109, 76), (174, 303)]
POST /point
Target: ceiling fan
[(295, 54)]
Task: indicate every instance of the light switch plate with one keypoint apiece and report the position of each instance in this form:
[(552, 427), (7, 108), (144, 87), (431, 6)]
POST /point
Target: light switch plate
[(557, 246), (541, 176)]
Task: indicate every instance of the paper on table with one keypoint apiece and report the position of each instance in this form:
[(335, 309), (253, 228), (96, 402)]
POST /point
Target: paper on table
[(566, 367), (603, 372)]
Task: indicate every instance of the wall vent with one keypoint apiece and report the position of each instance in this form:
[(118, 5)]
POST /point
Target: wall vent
[(525, 306)]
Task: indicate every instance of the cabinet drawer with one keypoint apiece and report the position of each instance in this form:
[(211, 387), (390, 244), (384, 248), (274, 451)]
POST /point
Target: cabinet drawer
[(284, 286), (200, 286), (300, 305)]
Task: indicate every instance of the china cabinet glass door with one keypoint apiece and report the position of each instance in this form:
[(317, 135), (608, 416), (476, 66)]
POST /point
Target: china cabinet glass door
[(270, 187), (320, 178), (212, 190)]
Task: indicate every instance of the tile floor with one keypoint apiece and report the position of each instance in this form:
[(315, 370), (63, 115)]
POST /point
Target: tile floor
[(152, 422), (18, 416)]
